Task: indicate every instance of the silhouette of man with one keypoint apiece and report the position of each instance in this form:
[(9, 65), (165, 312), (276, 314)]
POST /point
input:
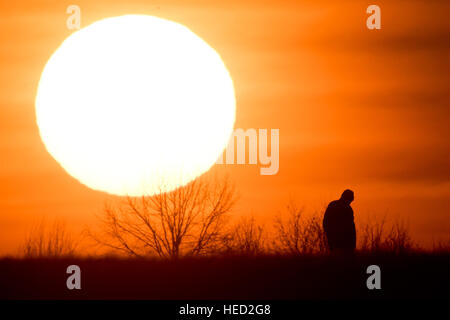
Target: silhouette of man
[(339, 225)]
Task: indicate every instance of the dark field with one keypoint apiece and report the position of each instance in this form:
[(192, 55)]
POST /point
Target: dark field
[(267, 277)]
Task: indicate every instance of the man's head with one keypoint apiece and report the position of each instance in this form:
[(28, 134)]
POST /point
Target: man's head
[(347, 196)]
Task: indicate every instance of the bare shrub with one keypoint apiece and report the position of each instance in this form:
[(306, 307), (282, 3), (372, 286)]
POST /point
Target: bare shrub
[(371, 234), (398, 240), (187, 221), (46, 241), (246, 238), (378, 236), (298, 234), (441, 247)]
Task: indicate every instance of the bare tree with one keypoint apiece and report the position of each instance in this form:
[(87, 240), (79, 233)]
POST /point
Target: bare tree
[(246, 237), (296, 234), (187, 221), (46, 241)]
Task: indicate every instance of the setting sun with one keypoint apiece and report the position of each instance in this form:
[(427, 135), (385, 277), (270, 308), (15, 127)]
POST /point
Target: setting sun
[(135, 104)]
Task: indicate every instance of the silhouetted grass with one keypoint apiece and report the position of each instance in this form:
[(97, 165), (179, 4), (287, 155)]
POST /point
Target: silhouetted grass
[(306, 276)]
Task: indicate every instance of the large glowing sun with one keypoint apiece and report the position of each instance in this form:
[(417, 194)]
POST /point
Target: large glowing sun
[(135, 104)]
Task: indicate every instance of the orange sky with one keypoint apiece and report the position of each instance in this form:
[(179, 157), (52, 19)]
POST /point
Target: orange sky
[(362, 109)]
